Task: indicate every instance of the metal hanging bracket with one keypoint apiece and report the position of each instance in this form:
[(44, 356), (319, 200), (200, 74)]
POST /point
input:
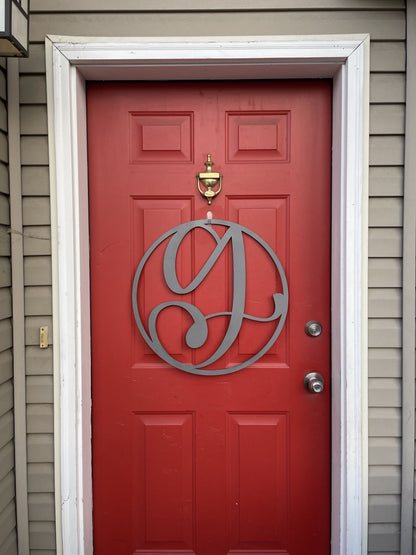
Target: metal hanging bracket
[(209, 180)]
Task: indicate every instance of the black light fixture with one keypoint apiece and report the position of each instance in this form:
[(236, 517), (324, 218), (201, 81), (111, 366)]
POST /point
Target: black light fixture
[(14, 27)]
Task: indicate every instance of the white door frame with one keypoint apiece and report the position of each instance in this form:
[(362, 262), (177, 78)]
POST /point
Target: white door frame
[(73, 60)]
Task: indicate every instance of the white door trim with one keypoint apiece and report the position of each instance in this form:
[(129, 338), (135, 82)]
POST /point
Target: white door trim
[(71, 61)]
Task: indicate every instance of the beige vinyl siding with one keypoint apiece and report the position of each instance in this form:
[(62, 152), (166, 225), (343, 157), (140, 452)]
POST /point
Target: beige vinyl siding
[(386, 154), (383, 25), (214, 5), (385, 21), (38, 308), (38, 302), (8, 537)]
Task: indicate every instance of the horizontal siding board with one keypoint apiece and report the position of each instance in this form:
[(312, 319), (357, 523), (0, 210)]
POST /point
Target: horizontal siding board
[(384, 451), (4, 209), (6, 490), (383, 25), (38, 300), (387, 119), (6, 365), (33, 120), (35, 180), (7, 521), (386, 181), (384, 272), (41, 507), (6, 397), (3, 117), (385, 303), (10, 545), (4, 178), (4, 148), (385, 242), (384, 508), (39, 389), (36, 240), (6, 459), (5, 272), (5, 303), (387, 150), (387, 87), (5, 335), (34, 150), (385, 479), (40, 419), (192, 5), (42, 535), (388, 56), (6, 428), (32, 89), (383, 537), (36, 211), (32, 327), (385, 212), (384, 332), (38, 270), (40, 477), (384, 363), (3, 86), (384, 422), (39, 361), (35, 63), (40, 448), (4, 240)]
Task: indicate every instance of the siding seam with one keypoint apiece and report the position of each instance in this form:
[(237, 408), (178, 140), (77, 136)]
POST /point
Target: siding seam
[(19, 370)]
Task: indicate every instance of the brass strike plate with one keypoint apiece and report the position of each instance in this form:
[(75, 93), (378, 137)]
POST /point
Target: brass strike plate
[(43, 337)]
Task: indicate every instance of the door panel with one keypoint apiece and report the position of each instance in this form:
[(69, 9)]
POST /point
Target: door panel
[(184, 463)]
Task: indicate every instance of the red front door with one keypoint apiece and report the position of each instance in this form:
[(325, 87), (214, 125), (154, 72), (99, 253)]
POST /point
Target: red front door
[(234, 462)]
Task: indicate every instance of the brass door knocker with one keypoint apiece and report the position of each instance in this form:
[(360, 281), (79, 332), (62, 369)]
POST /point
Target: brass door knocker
[(209, 180)]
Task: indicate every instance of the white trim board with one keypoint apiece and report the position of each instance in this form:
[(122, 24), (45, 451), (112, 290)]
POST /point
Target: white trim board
[(71, 61)]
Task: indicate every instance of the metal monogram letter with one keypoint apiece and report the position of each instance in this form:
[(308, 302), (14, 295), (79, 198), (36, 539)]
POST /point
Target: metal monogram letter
[(197, 334)]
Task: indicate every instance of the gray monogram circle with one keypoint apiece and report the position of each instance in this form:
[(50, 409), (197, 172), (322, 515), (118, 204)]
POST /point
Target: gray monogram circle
[(198, 331)]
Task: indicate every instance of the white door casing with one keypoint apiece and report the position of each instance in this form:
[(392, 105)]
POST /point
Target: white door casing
[(71, 61)]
